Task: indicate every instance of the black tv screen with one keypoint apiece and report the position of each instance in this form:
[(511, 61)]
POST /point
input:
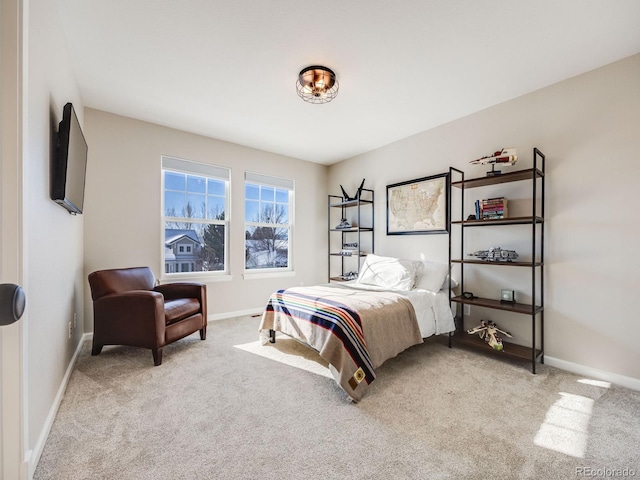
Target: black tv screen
[(70, 163)]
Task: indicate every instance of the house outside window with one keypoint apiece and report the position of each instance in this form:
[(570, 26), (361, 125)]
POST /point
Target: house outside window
[(268, 220), (195, 206)]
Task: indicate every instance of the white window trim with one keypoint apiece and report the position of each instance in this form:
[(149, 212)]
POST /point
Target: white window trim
[(196, 168), (202, 277), (267, 273), (283, 184)]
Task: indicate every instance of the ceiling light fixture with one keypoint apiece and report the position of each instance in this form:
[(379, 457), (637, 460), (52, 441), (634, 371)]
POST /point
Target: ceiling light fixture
[(317, 84)]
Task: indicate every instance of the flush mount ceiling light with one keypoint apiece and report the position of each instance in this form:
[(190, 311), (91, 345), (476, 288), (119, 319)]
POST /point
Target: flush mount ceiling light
[(317, 84)]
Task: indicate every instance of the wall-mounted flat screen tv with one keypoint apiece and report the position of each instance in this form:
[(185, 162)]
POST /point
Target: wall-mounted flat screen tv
[(69, 163)]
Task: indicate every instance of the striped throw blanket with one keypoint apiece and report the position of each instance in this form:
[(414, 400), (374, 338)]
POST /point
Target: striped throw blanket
[(354, 331)]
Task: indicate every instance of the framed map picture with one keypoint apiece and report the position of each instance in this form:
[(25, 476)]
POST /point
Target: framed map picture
[(418, 206)]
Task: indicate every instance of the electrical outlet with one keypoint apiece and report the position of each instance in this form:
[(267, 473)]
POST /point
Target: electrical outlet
[(467, 310), (70, 329)]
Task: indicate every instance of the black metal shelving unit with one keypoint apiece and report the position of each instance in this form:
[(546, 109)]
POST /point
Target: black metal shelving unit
[(365, 200), (536, 178)]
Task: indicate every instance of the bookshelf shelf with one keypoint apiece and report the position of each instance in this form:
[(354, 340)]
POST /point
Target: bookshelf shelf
[(499, 221), (511, 350)]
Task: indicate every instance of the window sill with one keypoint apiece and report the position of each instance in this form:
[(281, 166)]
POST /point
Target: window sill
[(261, 275), (196, 277)]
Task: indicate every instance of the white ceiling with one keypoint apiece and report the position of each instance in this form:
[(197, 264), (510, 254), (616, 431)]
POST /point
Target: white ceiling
[(227, 68)]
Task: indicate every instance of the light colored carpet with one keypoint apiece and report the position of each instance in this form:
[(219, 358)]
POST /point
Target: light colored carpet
[(229, 408)]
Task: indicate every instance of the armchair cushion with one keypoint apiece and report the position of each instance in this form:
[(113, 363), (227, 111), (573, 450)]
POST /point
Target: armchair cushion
[(176, 310)]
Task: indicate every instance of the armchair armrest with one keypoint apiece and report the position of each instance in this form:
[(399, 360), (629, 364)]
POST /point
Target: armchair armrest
[(171, 291), (131, 318)]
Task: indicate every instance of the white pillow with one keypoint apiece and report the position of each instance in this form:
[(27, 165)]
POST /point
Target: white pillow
[(445, 285), (432, 275), (388, 272)]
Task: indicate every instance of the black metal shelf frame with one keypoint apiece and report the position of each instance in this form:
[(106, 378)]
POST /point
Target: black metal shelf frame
[(336, 201), (537, 265)]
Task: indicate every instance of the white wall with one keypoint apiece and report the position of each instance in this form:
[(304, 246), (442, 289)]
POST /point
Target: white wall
[(589, 129), (123, 206), (53, 243)]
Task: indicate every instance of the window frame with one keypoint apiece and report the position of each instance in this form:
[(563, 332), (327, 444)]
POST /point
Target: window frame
[(276, 183), (190, 167)]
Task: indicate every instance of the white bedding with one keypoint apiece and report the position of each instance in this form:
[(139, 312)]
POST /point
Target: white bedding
[(432, 309)]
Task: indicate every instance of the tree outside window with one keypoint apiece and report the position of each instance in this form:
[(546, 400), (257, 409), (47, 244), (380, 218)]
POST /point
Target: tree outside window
[(268, 225)]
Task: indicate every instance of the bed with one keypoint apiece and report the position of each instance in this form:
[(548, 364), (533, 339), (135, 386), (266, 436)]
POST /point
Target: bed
[(356, 326)]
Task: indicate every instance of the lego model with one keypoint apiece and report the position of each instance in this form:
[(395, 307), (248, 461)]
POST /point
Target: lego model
[(506, 156), (488, 331), (343, 225), (496, 254), (347, 198)]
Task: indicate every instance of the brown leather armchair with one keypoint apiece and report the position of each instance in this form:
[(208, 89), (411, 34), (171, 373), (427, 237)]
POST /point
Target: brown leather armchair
[(129, 309)]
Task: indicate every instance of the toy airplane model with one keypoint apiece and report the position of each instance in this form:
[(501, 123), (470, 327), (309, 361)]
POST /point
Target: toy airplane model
[(489, 332), (496, 254), (343, 225), (347, 198), (506, 156)]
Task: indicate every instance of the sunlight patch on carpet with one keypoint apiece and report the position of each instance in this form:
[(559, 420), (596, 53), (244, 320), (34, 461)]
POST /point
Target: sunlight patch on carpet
[(595, 383), (565, 427), (289, 352)]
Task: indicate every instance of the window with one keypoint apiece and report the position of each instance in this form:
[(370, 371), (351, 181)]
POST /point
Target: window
[(195, 210), (185, 248), (268, 220)]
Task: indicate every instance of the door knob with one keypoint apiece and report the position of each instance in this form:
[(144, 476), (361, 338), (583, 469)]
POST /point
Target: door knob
[(12, 303)]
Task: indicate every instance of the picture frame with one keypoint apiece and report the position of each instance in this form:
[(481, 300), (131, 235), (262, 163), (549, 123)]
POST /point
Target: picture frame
[(419, 207)]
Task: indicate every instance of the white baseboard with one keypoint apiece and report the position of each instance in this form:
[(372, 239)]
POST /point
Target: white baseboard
[(240, 313), (628, 382), (35, 454)]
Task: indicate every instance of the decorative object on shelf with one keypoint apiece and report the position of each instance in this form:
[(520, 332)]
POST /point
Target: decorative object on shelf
[(506, 156), (349, 276), (349, 249), (496, 254), (348, 198), (488, 331), (469, 295), (418, 206), (317, 84), (343, 225), (507, 296)]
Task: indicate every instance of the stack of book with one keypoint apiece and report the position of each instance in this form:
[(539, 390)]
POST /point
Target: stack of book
[(491, 208)]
